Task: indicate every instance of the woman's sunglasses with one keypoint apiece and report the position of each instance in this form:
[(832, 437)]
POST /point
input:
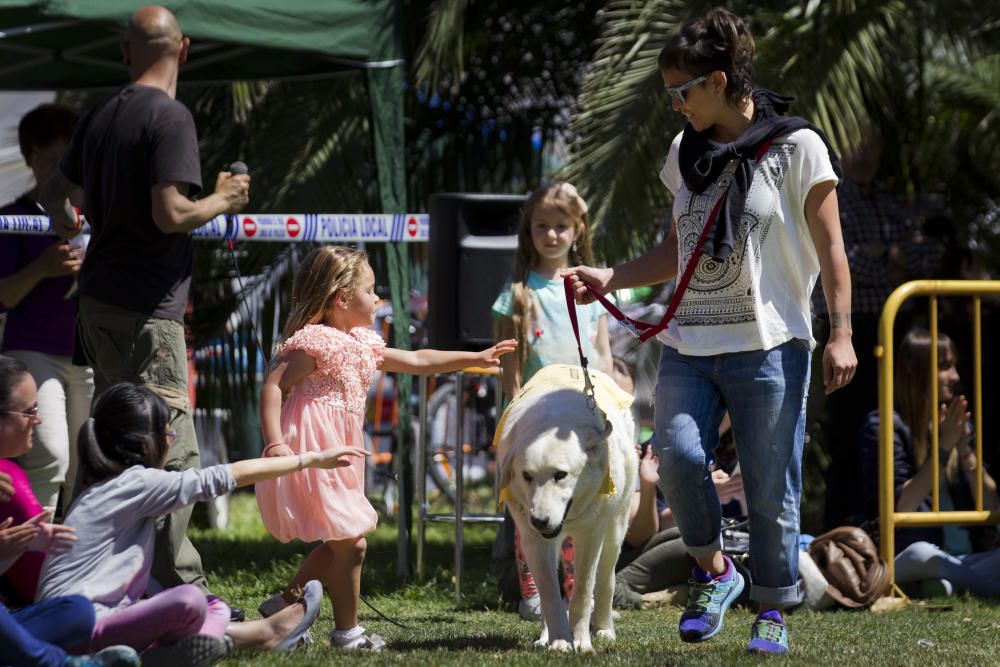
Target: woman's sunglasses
[(31, 412), (677, 92)]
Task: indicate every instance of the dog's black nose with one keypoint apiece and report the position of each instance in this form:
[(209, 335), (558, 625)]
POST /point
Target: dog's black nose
[(539, 524)]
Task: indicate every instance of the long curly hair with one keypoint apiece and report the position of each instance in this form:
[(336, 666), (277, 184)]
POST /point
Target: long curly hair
[(564, 198), (324, 272)]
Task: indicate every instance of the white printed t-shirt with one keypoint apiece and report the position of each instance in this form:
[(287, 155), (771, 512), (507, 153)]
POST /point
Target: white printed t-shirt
[(759, 297)]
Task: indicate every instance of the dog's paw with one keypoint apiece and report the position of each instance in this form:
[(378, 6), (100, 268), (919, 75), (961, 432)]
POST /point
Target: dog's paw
[(561, 645), (583, 647), (606, 634)]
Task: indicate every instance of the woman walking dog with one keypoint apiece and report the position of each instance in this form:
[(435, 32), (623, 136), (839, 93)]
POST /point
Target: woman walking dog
[(761, 186)]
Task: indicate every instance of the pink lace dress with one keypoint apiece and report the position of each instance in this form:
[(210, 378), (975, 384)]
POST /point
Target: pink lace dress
[(324, 410)]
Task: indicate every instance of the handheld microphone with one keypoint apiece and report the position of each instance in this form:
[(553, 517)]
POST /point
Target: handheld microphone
[(238, 168)]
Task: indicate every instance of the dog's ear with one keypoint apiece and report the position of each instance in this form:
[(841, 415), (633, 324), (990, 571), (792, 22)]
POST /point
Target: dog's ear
[(506, 472), (599, 437)]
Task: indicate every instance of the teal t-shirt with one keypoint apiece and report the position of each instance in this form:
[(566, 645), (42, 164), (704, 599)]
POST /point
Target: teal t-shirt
[(550, 332)]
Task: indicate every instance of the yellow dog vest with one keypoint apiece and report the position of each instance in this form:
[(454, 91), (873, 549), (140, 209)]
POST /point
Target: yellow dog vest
[(607, 394)]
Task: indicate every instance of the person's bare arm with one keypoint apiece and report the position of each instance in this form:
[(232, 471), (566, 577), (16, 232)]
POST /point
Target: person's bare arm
[(839, 359), (288, 370), (656, 266), (508, 363), (54, 196), (59, 259), (251, 471), (428, 362), (174, 213), (603, 345), (646, 521)]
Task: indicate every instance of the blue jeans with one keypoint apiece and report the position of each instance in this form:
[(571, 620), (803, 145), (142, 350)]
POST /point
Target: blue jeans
[(38, 635), (765, 394)]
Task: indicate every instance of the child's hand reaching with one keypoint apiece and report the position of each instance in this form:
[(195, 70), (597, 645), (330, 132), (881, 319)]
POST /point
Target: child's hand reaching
[(337, 457), (491, 356)]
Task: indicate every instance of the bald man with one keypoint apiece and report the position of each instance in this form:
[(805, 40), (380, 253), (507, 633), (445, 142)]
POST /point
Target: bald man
[(136, 156)]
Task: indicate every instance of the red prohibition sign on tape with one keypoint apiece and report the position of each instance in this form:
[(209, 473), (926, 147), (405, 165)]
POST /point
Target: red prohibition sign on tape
[(293, 227), (411, 226), (249, 227)]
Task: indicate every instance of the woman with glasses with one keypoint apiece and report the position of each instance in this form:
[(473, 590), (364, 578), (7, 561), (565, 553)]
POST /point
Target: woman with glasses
[(35, 635), (755, 218), (18, 419)]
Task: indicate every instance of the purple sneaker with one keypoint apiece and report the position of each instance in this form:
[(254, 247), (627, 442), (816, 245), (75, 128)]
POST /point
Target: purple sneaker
[(768, 634), (708, 602)]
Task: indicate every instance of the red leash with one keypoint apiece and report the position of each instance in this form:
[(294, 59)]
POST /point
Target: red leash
[(644, 330)]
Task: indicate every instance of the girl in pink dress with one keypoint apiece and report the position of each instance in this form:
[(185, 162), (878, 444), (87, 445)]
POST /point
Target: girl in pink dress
[(327, 362)]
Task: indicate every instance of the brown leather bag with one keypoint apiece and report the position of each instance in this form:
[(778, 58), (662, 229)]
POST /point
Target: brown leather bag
[(849, 560)]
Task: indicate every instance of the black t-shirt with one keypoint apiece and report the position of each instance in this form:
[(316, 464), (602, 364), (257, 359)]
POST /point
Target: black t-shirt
[(128, 143)]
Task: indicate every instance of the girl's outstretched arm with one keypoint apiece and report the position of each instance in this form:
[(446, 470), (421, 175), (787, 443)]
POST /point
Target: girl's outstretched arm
[(428, 362), (508, 364), (251, 471), (287, 371)]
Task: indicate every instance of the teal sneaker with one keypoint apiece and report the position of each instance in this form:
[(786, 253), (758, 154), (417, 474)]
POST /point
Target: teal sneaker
[(768, 634), (112, 656), (708, 601)]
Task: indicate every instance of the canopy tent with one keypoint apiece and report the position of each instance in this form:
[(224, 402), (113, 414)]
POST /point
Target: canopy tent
[(66, 44)]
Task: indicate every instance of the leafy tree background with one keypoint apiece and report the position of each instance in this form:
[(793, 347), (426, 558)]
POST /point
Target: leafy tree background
[(501, 95)]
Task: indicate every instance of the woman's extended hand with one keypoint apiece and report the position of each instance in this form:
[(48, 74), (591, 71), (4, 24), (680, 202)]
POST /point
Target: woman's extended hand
[(955, 427), (649, 465), (491, 356), (14, 540), (336, 457), (599, 279)]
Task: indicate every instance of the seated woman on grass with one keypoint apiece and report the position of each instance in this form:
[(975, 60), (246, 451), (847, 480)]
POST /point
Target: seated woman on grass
[(956, 558)]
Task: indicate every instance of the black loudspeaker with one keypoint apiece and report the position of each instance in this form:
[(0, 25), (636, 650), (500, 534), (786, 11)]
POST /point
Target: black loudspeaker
[(473, 238)]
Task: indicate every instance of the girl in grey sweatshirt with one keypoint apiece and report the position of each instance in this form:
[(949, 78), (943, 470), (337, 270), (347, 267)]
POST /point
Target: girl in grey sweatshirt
[(122, 448)]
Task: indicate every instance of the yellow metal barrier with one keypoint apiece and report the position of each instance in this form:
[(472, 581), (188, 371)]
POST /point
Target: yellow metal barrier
[(888, 517)]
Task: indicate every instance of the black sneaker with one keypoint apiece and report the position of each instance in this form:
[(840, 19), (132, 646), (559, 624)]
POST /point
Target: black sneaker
[(192, 651), (237, 615)]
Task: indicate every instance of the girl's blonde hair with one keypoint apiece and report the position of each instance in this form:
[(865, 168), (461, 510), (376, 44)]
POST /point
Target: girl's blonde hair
[(324, 272), (913, 373), (563, 197)]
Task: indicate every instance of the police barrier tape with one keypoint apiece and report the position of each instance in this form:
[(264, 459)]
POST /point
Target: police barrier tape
[(287, 227)]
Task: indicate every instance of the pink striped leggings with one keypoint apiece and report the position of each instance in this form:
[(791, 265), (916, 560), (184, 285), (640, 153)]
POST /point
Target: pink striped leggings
[(165, 618), (527, 581)]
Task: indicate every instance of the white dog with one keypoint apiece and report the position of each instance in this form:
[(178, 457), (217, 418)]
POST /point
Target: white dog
[(568, 467)]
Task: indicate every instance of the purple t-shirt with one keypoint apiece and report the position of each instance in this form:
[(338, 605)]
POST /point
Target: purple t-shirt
[(44, 320)]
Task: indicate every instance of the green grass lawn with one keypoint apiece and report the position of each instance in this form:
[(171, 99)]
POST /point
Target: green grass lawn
[(245, 565)]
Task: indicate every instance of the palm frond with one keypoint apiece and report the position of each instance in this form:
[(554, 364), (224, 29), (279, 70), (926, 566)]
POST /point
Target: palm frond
[(441, 51), (624, 126)]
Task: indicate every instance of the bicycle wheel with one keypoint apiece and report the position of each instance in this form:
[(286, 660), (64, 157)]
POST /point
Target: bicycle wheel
[(442, 436)]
